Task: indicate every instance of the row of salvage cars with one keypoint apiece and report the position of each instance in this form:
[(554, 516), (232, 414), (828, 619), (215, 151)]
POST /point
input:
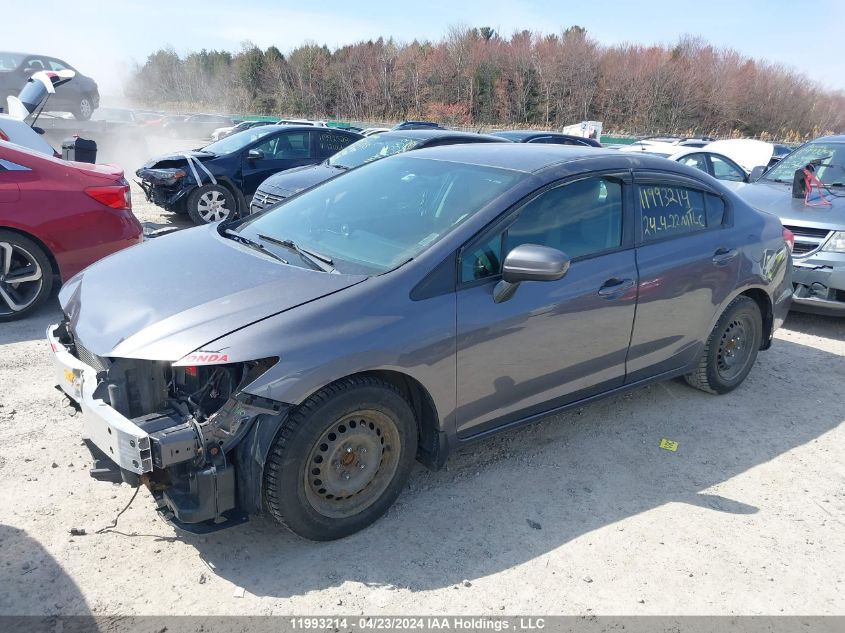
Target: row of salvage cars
[(398, 296)]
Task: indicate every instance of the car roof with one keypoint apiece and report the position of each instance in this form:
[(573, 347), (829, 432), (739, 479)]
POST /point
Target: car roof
[(524, 157), (427, 134), (833, 138), (309, 128), (524, 134)]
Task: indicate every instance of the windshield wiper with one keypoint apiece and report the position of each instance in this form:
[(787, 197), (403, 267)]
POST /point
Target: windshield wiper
[(253, 244), (317, 260)]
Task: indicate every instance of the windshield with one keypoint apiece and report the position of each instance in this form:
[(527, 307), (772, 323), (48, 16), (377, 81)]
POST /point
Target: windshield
[(374, 219), (237, 142), (10, 61), (828, 157), (372, 148)]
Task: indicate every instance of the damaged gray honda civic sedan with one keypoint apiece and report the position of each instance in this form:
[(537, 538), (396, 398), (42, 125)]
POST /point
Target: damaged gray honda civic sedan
[(298, 361)]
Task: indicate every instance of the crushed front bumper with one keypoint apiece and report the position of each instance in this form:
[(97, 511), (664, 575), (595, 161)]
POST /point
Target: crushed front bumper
[(115, 435), (819, 285), (197, 486)]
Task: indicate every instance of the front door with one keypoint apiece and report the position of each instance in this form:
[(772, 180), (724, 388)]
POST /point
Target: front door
[(280, 152), (552, 342)]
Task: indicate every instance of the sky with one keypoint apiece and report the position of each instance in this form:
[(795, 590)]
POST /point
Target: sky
[(102, 39)]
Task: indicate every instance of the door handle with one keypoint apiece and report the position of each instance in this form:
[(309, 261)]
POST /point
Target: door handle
[(613, 288), (724, 255)]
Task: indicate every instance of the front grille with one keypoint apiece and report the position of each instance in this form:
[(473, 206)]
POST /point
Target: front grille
[(89, 358), (807, 239), (806, 231), (802, 248), (263, 199)]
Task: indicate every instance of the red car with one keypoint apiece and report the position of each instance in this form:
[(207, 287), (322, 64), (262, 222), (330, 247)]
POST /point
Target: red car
[(56, 218)]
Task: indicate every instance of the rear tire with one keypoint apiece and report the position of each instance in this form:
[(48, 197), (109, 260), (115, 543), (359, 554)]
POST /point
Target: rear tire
[(84, 109), (731, 348), (23, 259), (211, 203), (340, 459)]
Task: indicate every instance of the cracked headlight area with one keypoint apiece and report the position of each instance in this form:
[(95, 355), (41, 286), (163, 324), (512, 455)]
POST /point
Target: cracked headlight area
[(836, 243)]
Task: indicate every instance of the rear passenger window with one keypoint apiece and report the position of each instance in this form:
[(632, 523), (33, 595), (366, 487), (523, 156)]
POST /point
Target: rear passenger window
[(715, 210), (332, 142), (668, 211)]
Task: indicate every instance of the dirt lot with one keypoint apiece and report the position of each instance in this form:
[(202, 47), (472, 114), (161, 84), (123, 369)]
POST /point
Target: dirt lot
[(581, 513)]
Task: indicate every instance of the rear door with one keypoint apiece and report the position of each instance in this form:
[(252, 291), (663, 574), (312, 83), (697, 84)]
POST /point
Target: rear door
[(330, 142), (280, 151), (552, 342), (10, 174), (688, 261)]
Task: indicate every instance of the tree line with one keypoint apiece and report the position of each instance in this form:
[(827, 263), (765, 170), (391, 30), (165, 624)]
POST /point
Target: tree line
[(476, 77)]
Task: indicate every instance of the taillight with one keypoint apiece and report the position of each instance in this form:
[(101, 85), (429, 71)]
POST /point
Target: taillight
[(789, 238), (114, 196)]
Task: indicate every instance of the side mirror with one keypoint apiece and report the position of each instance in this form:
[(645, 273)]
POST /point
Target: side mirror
[(529, 262), (255, 154), (756, 173)]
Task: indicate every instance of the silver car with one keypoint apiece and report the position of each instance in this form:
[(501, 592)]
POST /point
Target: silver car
[(299, 360), (818, 227)]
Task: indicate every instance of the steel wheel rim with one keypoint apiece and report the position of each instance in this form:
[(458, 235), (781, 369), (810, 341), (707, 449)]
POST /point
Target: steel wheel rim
[(735, 347), (21, 278), (212, 206), (85, 108), (352, 464)]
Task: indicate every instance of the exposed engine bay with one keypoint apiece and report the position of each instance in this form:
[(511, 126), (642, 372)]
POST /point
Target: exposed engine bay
[(194, 415)]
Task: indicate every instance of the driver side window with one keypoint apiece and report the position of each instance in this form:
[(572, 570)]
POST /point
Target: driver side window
[(723, 170), (580, 218)]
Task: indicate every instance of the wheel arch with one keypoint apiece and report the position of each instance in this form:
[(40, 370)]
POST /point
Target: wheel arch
[(54, 264), (432, 444), (228, 183), (764, 303)]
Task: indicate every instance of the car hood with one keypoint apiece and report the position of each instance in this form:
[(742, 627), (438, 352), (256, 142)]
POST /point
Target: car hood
[(176, 159), (777, 198), (294, 180), (173, 294)]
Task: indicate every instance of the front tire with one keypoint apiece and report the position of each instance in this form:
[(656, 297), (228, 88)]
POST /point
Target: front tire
[(340, 459), (211, 203), (731, 348), (26, 276)]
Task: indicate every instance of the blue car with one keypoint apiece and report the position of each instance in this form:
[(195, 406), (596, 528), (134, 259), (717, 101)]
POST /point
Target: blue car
[(216, 182)]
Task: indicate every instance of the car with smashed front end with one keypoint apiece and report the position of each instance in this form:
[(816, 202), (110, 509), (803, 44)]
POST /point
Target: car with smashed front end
[(363, 151), (401, 310), (217, 182), (817, 221)]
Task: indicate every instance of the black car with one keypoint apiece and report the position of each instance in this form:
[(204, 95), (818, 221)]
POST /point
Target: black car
[(550, 138), (370, 148), (417, 125), (80, 96), (217, 181)]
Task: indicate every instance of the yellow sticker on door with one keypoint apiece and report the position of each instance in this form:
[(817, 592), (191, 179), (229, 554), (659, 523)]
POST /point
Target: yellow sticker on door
[(668, 445)]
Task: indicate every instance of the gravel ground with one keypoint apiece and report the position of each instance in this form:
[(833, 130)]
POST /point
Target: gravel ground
[(581, 513)]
